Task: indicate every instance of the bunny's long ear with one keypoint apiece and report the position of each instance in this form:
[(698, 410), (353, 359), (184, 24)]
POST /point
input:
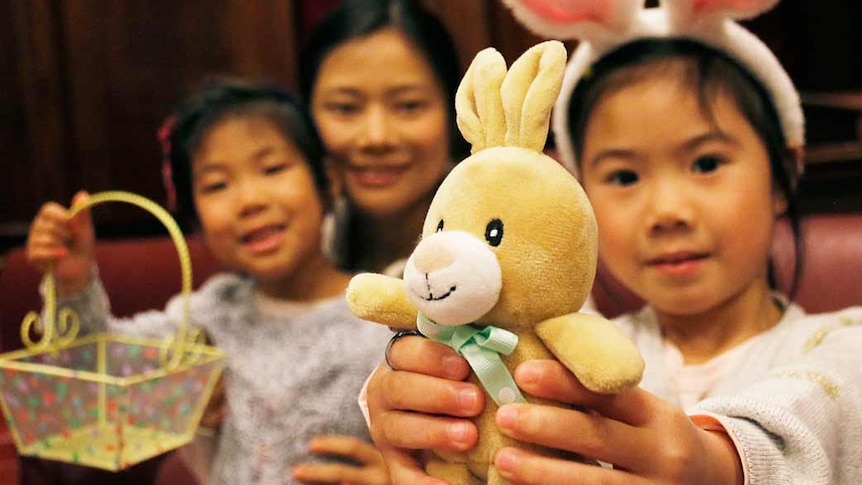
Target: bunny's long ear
[(593, 20), (686, 12), (712, 22), (529, 92), (477, 102)]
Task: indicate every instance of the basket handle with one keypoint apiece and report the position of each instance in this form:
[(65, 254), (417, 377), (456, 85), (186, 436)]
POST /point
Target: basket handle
[(60, 329)]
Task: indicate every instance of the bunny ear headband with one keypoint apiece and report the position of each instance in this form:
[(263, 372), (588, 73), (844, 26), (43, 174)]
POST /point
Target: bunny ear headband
[(603, 25)]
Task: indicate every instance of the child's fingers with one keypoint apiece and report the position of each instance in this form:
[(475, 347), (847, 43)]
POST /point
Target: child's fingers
[(428, 357), (527, 468), (421, 393), (52, 219), (81, 225), (46, 238), (340, 473), (404, 469), (549, 379), (48, 235), (80, 197), (350, 447), (588, 434), (216, 408), (42, 256), (325, 472), (46, 244), (425, 432), (214, 415)]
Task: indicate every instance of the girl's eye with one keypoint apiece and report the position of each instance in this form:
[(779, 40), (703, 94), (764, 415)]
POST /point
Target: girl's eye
[(706, 164), (494, 232), (213, 187), (274, 169), (440, 225), (623, 177)]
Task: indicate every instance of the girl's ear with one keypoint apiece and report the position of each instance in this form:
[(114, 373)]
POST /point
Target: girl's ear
[(576, 19), (690, 11), (779, 202)]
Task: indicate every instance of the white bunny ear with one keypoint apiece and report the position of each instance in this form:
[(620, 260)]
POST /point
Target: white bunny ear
[(682, 12), (576, 19), (478, 106)]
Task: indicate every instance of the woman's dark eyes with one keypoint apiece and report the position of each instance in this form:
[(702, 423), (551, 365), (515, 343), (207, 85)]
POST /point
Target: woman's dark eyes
[(343, 108), (707, 164), (409, 106)]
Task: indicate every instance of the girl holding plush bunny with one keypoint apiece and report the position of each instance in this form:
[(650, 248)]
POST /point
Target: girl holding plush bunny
[(686, 134)]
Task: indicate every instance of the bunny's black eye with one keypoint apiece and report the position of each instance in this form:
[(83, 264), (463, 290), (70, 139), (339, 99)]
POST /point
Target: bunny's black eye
[(494, 232), (440, 225)]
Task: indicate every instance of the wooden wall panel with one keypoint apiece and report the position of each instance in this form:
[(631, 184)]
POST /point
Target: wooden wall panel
[(129, 63), (32, 111)]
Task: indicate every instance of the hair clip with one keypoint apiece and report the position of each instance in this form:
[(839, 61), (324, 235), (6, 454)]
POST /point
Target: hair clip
[(164, 135)]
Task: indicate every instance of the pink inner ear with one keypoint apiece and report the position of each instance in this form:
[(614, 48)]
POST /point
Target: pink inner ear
[(571, 11), (739, 6)]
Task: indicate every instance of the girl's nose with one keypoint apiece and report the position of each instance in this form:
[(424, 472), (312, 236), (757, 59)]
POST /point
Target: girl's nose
[(671, 207), (251, 198)]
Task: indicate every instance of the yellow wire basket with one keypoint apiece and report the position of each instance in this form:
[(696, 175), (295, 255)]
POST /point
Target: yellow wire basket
[(107, 400)]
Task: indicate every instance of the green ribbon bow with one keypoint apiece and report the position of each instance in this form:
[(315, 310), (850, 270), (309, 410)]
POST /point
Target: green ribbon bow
[(482, 348)]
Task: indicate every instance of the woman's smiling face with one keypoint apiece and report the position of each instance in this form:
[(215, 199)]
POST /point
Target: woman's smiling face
[(382, 117)]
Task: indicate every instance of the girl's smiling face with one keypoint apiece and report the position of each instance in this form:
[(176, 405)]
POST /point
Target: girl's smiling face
[(683, 197), (259, 208), (382, 116)]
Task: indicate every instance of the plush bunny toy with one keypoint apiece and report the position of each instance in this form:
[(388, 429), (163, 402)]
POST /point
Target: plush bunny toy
[(507, 255)]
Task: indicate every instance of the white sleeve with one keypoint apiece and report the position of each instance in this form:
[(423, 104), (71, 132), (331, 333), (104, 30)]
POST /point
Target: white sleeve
[(802, 424)]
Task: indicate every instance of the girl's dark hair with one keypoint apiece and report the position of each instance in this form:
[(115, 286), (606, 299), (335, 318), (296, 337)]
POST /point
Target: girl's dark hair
[(709, 73), (359, 18), (213, 102)]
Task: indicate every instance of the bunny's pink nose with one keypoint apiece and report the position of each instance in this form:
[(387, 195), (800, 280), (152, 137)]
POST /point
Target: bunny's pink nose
[(433, 254)]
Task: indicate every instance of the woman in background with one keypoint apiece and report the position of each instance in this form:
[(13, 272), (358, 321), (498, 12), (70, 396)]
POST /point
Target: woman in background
[(380, 79)]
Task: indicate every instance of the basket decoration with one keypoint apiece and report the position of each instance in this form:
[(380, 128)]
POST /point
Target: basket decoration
[(107, 400)]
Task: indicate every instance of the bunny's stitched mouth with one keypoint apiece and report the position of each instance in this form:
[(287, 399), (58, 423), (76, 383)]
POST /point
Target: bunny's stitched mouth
[(431, 296)]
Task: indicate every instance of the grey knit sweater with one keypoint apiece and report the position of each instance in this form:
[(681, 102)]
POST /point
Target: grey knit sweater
[(289, 376), (792, 404)]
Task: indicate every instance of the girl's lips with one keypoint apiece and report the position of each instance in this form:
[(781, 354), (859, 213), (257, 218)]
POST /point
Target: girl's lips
[(377, 177), (678, 264), (263, 240)]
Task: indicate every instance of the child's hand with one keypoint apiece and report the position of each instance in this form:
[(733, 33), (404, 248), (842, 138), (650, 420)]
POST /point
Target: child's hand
[(370, 471), (65, 243), (647, 439), (407, 406), (216, 409)]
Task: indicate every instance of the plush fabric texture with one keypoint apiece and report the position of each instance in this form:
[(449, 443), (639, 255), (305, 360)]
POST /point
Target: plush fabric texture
[(535, 235)]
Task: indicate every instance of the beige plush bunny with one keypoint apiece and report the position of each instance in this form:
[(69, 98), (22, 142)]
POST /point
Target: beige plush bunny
[(507, 256)]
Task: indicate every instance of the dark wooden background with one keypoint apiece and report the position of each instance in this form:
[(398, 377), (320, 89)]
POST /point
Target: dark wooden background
[(84, 85)]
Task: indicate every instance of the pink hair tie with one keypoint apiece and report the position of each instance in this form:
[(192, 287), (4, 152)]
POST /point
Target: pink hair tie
[(164, 136)]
